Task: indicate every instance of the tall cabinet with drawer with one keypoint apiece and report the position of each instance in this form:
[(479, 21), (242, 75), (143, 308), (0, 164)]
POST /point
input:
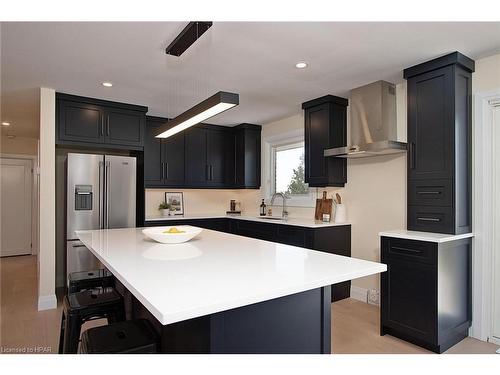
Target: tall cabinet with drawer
[(426, 290), (439, 144)]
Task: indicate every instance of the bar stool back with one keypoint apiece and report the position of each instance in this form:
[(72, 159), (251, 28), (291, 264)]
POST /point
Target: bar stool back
[(130, 337), (84, 306), (101, 278)]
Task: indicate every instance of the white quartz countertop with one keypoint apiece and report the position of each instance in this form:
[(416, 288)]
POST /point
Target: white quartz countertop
[(425, 236), (300, 222), (215, 271)]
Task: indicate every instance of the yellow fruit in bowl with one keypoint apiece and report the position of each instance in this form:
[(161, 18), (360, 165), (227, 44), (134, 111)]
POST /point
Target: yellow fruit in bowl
[(173, 230)]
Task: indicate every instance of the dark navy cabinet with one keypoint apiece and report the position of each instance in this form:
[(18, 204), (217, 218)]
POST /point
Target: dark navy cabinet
[(204, 156), (439, 144), (426, 291), (247, 138), (325, 126), (207, 150), (163, 158), (92, 122)]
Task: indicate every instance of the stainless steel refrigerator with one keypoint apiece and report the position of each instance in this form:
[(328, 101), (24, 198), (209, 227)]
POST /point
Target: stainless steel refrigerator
[(101, 193)]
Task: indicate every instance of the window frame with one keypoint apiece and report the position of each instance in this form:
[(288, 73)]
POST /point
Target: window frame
[(278, 143)]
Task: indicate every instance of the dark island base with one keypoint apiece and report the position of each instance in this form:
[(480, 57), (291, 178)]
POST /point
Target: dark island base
[(295, 324)]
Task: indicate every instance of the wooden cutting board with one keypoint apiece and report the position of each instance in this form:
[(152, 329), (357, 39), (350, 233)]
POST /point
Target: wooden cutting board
[(323, 206)]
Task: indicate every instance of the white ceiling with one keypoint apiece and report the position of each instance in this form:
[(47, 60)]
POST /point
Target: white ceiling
[(255, 60)]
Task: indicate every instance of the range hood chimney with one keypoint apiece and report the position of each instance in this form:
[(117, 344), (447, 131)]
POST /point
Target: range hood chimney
[(373, 123)]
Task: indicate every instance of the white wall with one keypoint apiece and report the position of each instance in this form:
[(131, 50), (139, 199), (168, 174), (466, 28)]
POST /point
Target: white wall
[(47, 245), (487, 74), (19, 145)]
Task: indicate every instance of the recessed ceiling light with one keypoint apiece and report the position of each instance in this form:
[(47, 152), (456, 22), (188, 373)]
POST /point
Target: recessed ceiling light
[(107, 84), (301, 65), (5, 123)]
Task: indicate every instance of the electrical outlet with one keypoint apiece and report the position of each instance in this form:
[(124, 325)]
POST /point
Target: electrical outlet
[(374, 297)]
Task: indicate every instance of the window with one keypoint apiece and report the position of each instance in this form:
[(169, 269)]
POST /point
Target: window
[(288, 176), (284, 169)]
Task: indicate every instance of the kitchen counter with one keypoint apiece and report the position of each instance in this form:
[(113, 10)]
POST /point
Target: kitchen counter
[(300, 222), (215, 271), (424, 236)]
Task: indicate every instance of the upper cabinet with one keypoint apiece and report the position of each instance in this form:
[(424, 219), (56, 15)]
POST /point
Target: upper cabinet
[(204, 156), (247, 156), (325, 127), (439, 144), (163, 158), (93, 122), (210, 156)]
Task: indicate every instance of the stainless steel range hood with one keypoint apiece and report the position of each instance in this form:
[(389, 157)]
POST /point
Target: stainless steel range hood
[(373, 123)]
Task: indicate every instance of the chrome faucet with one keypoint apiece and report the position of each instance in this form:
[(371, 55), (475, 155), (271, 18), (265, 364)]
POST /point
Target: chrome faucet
[(284, 212)]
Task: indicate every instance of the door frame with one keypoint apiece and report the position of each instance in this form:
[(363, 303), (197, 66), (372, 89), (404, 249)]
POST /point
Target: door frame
[(34, 195), (483, 217)]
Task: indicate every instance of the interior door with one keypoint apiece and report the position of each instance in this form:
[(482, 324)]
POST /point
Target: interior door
[(496, 239), (15, 201), (120, 191)]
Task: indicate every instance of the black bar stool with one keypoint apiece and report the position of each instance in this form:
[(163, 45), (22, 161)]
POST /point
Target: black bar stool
[(84, 306), (130, 337), (101, 278)]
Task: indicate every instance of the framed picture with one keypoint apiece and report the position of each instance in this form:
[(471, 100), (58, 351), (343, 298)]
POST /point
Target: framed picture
[(176, 202)]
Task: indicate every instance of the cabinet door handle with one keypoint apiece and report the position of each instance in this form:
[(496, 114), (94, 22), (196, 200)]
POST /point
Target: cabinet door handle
[(166, 170), (107, 125), (211, 173), (102, 125), (403, 250), (162, 171), (428, 192), (412, 155), (428, 219)]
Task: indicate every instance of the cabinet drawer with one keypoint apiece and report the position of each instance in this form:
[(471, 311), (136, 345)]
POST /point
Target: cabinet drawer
[(431, 219), (408, 250), (430, 192)]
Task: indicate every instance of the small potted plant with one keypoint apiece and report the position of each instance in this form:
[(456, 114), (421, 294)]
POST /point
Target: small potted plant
[(164, 207)]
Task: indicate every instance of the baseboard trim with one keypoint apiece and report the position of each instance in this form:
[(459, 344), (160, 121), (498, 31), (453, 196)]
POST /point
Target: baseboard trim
[(360, 294), (47, 302)]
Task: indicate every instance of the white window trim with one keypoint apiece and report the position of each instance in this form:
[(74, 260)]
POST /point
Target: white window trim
[(283, 140)]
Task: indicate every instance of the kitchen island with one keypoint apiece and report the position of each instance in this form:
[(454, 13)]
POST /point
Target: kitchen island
[(223, 293)]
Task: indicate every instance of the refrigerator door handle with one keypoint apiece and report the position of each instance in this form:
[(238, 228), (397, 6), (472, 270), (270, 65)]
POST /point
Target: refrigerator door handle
[(108, 168), (101, 191)]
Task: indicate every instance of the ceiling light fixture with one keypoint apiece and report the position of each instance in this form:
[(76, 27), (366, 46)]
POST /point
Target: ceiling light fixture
[(107, 84), (190, 34), (5, 123), (218, 103), (301, 65)]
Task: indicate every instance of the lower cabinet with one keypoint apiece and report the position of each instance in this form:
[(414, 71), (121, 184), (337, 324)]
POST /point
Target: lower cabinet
[(426, 291), (333, 240)]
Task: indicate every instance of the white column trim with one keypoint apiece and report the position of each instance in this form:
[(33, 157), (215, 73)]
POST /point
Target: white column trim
[(47, 302), (482, 246)]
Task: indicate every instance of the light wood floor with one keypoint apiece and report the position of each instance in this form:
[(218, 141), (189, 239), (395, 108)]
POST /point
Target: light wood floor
[(355, 324)]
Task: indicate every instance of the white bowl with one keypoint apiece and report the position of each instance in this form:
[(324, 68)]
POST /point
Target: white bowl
[(157, 233)]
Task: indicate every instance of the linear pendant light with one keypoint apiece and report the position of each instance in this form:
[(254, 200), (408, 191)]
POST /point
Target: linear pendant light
[(218, 103)]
